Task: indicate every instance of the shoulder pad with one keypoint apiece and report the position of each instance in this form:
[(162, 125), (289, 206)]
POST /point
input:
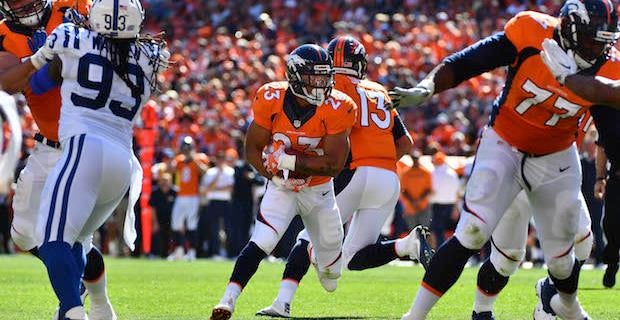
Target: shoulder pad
[(529, 28)]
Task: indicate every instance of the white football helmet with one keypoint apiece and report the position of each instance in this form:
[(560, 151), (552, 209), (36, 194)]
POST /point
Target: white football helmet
[(119, 19), (26, 13)]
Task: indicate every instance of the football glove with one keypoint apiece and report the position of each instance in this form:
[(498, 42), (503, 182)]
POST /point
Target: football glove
[(277, 159), (412, 97), (42, 56), (561, 64)]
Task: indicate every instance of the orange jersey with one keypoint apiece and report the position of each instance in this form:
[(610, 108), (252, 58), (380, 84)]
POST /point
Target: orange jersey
[(372, 141), (45, 108), (335, 115), (536, 114), (187, 178)]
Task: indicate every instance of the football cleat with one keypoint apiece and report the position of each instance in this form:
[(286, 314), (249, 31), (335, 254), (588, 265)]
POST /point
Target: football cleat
[(609, 279), (102, 311), (221, 312), (75, 313), (417, 246), (487, 315), (545, 290), (276, 310)]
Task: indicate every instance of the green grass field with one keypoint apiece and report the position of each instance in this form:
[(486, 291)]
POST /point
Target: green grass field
[(144, 289)]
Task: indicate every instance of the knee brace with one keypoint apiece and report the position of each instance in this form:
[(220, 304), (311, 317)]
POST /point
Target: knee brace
[(506, 261), (95, 266), (561, 268), (490, 281), (583, 246), (264, 237)]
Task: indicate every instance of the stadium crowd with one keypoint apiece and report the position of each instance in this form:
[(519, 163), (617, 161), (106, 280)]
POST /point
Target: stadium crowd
[(224, 50)]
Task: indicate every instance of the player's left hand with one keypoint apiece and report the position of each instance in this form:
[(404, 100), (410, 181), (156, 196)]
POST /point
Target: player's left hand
[(561, 64), (72, 15), (37, 40)]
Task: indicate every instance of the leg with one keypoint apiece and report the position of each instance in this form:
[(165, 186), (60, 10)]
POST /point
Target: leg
[(321, 217), (276, 212), (584, 239), (27, 198), (490, 190), (611, 224), (556, 204), (192, 227), (178, 217), (507, 252)]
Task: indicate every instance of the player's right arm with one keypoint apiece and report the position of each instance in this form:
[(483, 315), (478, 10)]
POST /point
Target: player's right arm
[(598, 90), (402, 138), (255, 141)]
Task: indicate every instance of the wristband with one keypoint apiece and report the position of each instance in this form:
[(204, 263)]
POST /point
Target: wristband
[(601, 178), (287, 161)]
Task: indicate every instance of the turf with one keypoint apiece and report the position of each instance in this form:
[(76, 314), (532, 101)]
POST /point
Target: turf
[(147, 289)]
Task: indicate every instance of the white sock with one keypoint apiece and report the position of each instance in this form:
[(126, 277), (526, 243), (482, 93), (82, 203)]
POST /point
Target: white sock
[(422, 305), (483, 302), (97, 289), (233, 290), (287, 290)]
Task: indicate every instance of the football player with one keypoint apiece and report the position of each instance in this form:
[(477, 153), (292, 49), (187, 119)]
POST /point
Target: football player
[(533, 107), (605, 92), (307, 124), (508, 244), (188, 168), (106, 71), (367, 189), (23, 30)]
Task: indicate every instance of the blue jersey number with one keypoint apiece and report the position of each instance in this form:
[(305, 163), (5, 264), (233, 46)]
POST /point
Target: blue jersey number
[(104, 86)]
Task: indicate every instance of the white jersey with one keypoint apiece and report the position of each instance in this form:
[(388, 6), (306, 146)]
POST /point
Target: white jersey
[(95, 100)]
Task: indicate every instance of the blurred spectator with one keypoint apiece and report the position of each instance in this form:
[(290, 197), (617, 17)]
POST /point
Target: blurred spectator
[(218, 187), (595, 206), (162, 200), (416, 188), (445, 183), (246, 178), (188, 167)]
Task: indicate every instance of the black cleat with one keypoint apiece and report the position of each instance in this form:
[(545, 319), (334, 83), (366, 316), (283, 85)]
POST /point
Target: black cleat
[(426, 252), (609, 279), (487, 315)]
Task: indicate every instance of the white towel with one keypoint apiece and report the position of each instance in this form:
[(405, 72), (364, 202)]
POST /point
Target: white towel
[(129, 229)]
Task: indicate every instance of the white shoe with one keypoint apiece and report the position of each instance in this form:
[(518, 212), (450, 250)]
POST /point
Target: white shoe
[(176, 255), (191, 255), (545, 290), (222, 311), (102, 311), (277, 310)]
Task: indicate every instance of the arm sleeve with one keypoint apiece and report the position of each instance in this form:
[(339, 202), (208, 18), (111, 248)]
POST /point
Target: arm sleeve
[(485, 55), (398, 130), (41, 82)]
